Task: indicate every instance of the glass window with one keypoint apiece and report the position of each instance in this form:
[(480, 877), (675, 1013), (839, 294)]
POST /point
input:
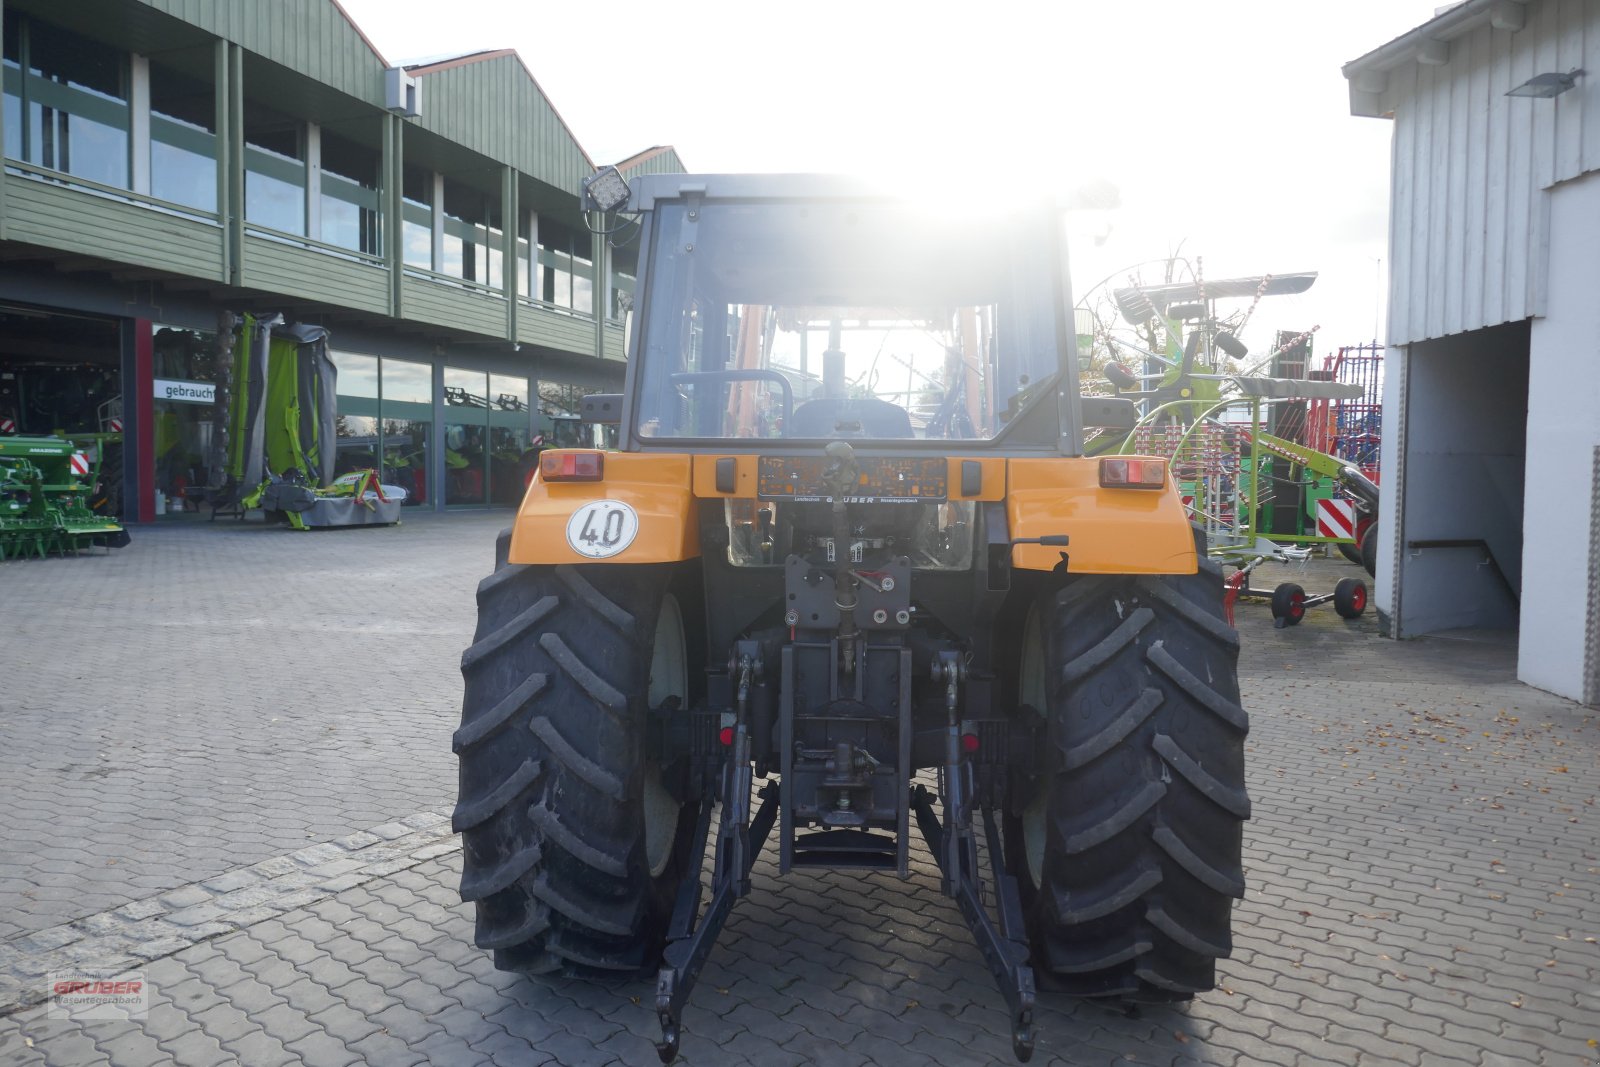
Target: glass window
[(77, 104), (566, 271), (274, 172), (358, 412), (466, 436), (417, 232), (527, 266), (560, 419), (511, 461), (349, 195), (820, 321), (554, 264), (13, 87), (183, 429), (583, 285), (406, 406), (472, 235), (183, 142), (624, 270)]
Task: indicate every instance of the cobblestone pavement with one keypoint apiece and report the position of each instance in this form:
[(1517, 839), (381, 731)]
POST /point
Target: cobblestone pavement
[(1422, 858), (214, 695)]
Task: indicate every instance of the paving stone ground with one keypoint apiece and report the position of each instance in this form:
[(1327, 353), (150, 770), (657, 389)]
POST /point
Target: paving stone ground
[(217, 694), (1423, 857)]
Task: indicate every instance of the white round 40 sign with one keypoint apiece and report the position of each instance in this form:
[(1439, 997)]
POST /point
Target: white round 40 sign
[(602, 528)]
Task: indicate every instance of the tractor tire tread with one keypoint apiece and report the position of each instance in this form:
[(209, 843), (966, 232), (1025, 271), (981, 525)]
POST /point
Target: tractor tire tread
[(1085, 963), (1146, 797), (1115, 732), (613, 919), (1114, 899), (1097, 655), (597, 777), (486, 883), (1229, 711), (603, 606), (533, 924), (1217, 879), (1167, 924), (1095, 826), (505, 574), (482, 726), (1234, 801), (1212, 625), (485, 807), (485, 647), (549, 805), (600, 691), (590, 855)]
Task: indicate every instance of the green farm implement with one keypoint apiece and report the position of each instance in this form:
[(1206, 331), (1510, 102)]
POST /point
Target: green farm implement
[(276, 402), (1258, 495), (45, 488)]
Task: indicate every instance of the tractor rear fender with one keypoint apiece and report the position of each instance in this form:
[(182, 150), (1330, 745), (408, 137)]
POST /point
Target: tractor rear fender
[(1112, 531), (655, 488)]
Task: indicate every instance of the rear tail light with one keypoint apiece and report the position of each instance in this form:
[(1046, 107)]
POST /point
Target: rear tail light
[(1127, 472), (571, 466)]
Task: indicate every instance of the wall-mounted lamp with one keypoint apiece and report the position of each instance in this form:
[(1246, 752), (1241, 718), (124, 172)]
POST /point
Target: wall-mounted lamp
[(1547, 85)]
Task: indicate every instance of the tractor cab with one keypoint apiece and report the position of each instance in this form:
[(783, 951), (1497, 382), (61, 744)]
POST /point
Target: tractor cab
[(793, 311)]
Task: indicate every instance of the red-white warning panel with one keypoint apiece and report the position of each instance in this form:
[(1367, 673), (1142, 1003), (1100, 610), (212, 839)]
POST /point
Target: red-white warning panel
[(1336, 518)]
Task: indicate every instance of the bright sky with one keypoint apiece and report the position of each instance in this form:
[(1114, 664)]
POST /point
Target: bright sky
[(1223, 125)]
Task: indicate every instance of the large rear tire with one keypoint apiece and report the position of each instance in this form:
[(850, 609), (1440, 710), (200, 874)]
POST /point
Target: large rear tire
[(573, 847), (1129, 849)]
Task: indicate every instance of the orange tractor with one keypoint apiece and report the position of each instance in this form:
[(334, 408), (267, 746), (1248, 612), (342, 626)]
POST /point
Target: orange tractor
[(848, 534)]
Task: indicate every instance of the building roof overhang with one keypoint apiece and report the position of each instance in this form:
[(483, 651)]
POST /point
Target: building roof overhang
[(1428, 44)]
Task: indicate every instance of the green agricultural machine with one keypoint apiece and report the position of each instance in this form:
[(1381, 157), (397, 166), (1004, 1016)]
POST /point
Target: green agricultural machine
[(277, 406), (45, 487)]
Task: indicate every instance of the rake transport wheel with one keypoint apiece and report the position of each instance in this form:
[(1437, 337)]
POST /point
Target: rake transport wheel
[(573, 846), (1288, 604), (1128, 852), (1350, 598)]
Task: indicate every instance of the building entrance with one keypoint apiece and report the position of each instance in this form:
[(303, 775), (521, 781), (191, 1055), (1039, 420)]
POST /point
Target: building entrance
[(61, 373)]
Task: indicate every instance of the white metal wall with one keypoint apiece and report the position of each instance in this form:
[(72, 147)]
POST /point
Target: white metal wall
[(1469, 218), (1557, 633)]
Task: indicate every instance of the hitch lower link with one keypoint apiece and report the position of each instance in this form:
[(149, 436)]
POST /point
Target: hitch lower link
[(954, 846), (739, 841), (952, 843)]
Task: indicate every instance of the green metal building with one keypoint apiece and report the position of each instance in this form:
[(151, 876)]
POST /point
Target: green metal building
[(170, 160)]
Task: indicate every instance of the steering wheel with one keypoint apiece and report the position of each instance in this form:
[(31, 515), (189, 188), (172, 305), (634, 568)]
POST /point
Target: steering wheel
[(741, 375)]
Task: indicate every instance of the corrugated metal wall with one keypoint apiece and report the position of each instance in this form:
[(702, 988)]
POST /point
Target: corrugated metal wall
[(662, 161), (493, 106), (1468, 222), (312, 37)]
